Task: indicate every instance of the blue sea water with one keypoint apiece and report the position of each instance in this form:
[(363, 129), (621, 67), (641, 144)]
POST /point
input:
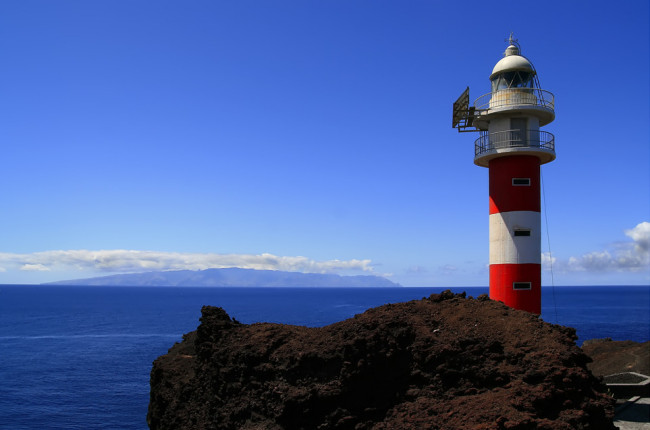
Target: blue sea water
[(80, 357)]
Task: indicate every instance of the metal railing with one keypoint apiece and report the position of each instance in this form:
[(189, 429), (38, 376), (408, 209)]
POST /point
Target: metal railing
[(514, 139), (516, 97)]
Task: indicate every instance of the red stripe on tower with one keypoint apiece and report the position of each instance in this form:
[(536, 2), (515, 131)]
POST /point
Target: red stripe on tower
[(517, 285), (514, 184)]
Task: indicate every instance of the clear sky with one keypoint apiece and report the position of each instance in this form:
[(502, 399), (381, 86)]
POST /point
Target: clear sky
[(309, 135)]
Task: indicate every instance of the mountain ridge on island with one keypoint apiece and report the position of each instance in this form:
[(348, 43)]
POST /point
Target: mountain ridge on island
[(231, 277)]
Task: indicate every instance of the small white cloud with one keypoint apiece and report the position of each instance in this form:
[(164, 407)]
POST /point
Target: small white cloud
[(641, 237), (448, 269), (34, 268), (417, 269), (548, 260)]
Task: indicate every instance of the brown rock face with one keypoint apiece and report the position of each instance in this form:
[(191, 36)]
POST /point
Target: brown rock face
[(611, 356), (445, 362)]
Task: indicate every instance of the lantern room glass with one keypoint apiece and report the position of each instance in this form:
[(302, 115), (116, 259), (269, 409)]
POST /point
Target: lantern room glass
[(514, 79)]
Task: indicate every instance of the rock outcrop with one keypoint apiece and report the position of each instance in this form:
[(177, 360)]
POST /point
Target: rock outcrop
[(444, 362), (612, 356)]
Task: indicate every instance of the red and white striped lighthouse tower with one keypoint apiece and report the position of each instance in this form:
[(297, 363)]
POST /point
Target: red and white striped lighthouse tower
[(512, 146)]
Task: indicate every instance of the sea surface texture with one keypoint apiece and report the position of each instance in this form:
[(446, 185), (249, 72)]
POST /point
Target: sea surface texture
[(80, 357)]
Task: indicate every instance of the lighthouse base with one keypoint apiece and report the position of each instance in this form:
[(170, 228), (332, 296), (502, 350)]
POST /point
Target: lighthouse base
[(517, 285)]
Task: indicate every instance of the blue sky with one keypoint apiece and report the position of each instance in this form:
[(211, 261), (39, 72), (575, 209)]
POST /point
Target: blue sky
[(309, 135)]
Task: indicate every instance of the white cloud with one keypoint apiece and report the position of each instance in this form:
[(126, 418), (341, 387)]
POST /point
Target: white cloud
[(129, 261), (548, 260), (623, 257), (641, 237), (448, 269), (416, 269), (34, 268)]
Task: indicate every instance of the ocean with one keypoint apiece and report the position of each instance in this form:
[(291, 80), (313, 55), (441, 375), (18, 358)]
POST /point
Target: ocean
[(80, 357)]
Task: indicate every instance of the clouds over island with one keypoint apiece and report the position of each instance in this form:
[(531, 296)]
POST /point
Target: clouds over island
[(631, 257), (131, 261)]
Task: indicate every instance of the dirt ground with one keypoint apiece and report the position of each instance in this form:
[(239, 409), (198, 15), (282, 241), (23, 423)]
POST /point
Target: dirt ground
[(443, 362), (610, 357)]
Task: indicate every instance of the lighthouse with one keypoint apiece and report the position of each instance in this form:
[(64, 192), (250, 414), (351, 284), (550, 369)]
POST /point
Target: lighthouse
[(512, 146)]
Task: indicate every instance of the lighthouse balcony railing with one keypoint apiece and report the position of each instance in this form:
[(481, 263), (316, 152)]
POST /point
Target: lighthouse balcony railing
[(510, 97), (507, 139)]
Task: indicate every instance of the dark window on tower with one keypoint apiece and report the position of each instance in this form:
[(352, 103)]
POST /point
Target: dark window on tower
[(521, 285), (522, 232), (521, 182)]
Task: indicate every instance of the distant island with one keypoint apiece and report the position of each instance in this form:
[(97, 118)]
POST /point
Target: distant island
[(231, 277)]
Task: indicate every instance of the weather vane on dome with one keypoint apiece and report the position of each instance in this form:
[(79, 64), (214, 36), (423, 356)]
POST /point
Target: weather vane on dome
[(513, 41)]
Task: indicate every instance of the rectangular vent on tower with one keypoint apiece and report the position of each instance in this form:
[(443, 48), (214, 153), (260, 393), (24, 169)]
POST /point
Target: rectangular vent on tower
[(521, 285), (522, 232), (521, 182)]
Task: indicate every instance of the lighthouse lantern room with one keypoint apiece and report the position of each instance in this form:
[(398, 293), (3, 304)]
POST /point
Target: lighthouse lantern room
[(512, 146)]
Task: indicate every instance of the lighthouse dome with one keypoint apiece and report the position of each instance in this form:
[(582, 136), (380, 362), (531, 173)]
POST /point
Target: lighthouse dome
[(512, 62), (512, 71)]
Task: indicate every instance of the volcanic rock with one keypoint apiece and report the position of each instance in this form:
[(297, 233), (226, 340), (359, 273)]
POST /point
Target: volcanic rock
[(443, 362), (612, 356)]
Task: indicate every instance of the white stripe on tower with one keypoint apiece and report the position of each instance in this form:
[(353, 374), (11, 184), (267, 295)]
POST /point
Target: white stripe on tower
[(515, 237)]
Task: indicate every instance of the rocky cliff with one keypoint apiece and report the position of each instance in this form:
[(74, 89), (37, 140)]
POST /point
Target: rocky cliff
[(444, 362), (610, 356)]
